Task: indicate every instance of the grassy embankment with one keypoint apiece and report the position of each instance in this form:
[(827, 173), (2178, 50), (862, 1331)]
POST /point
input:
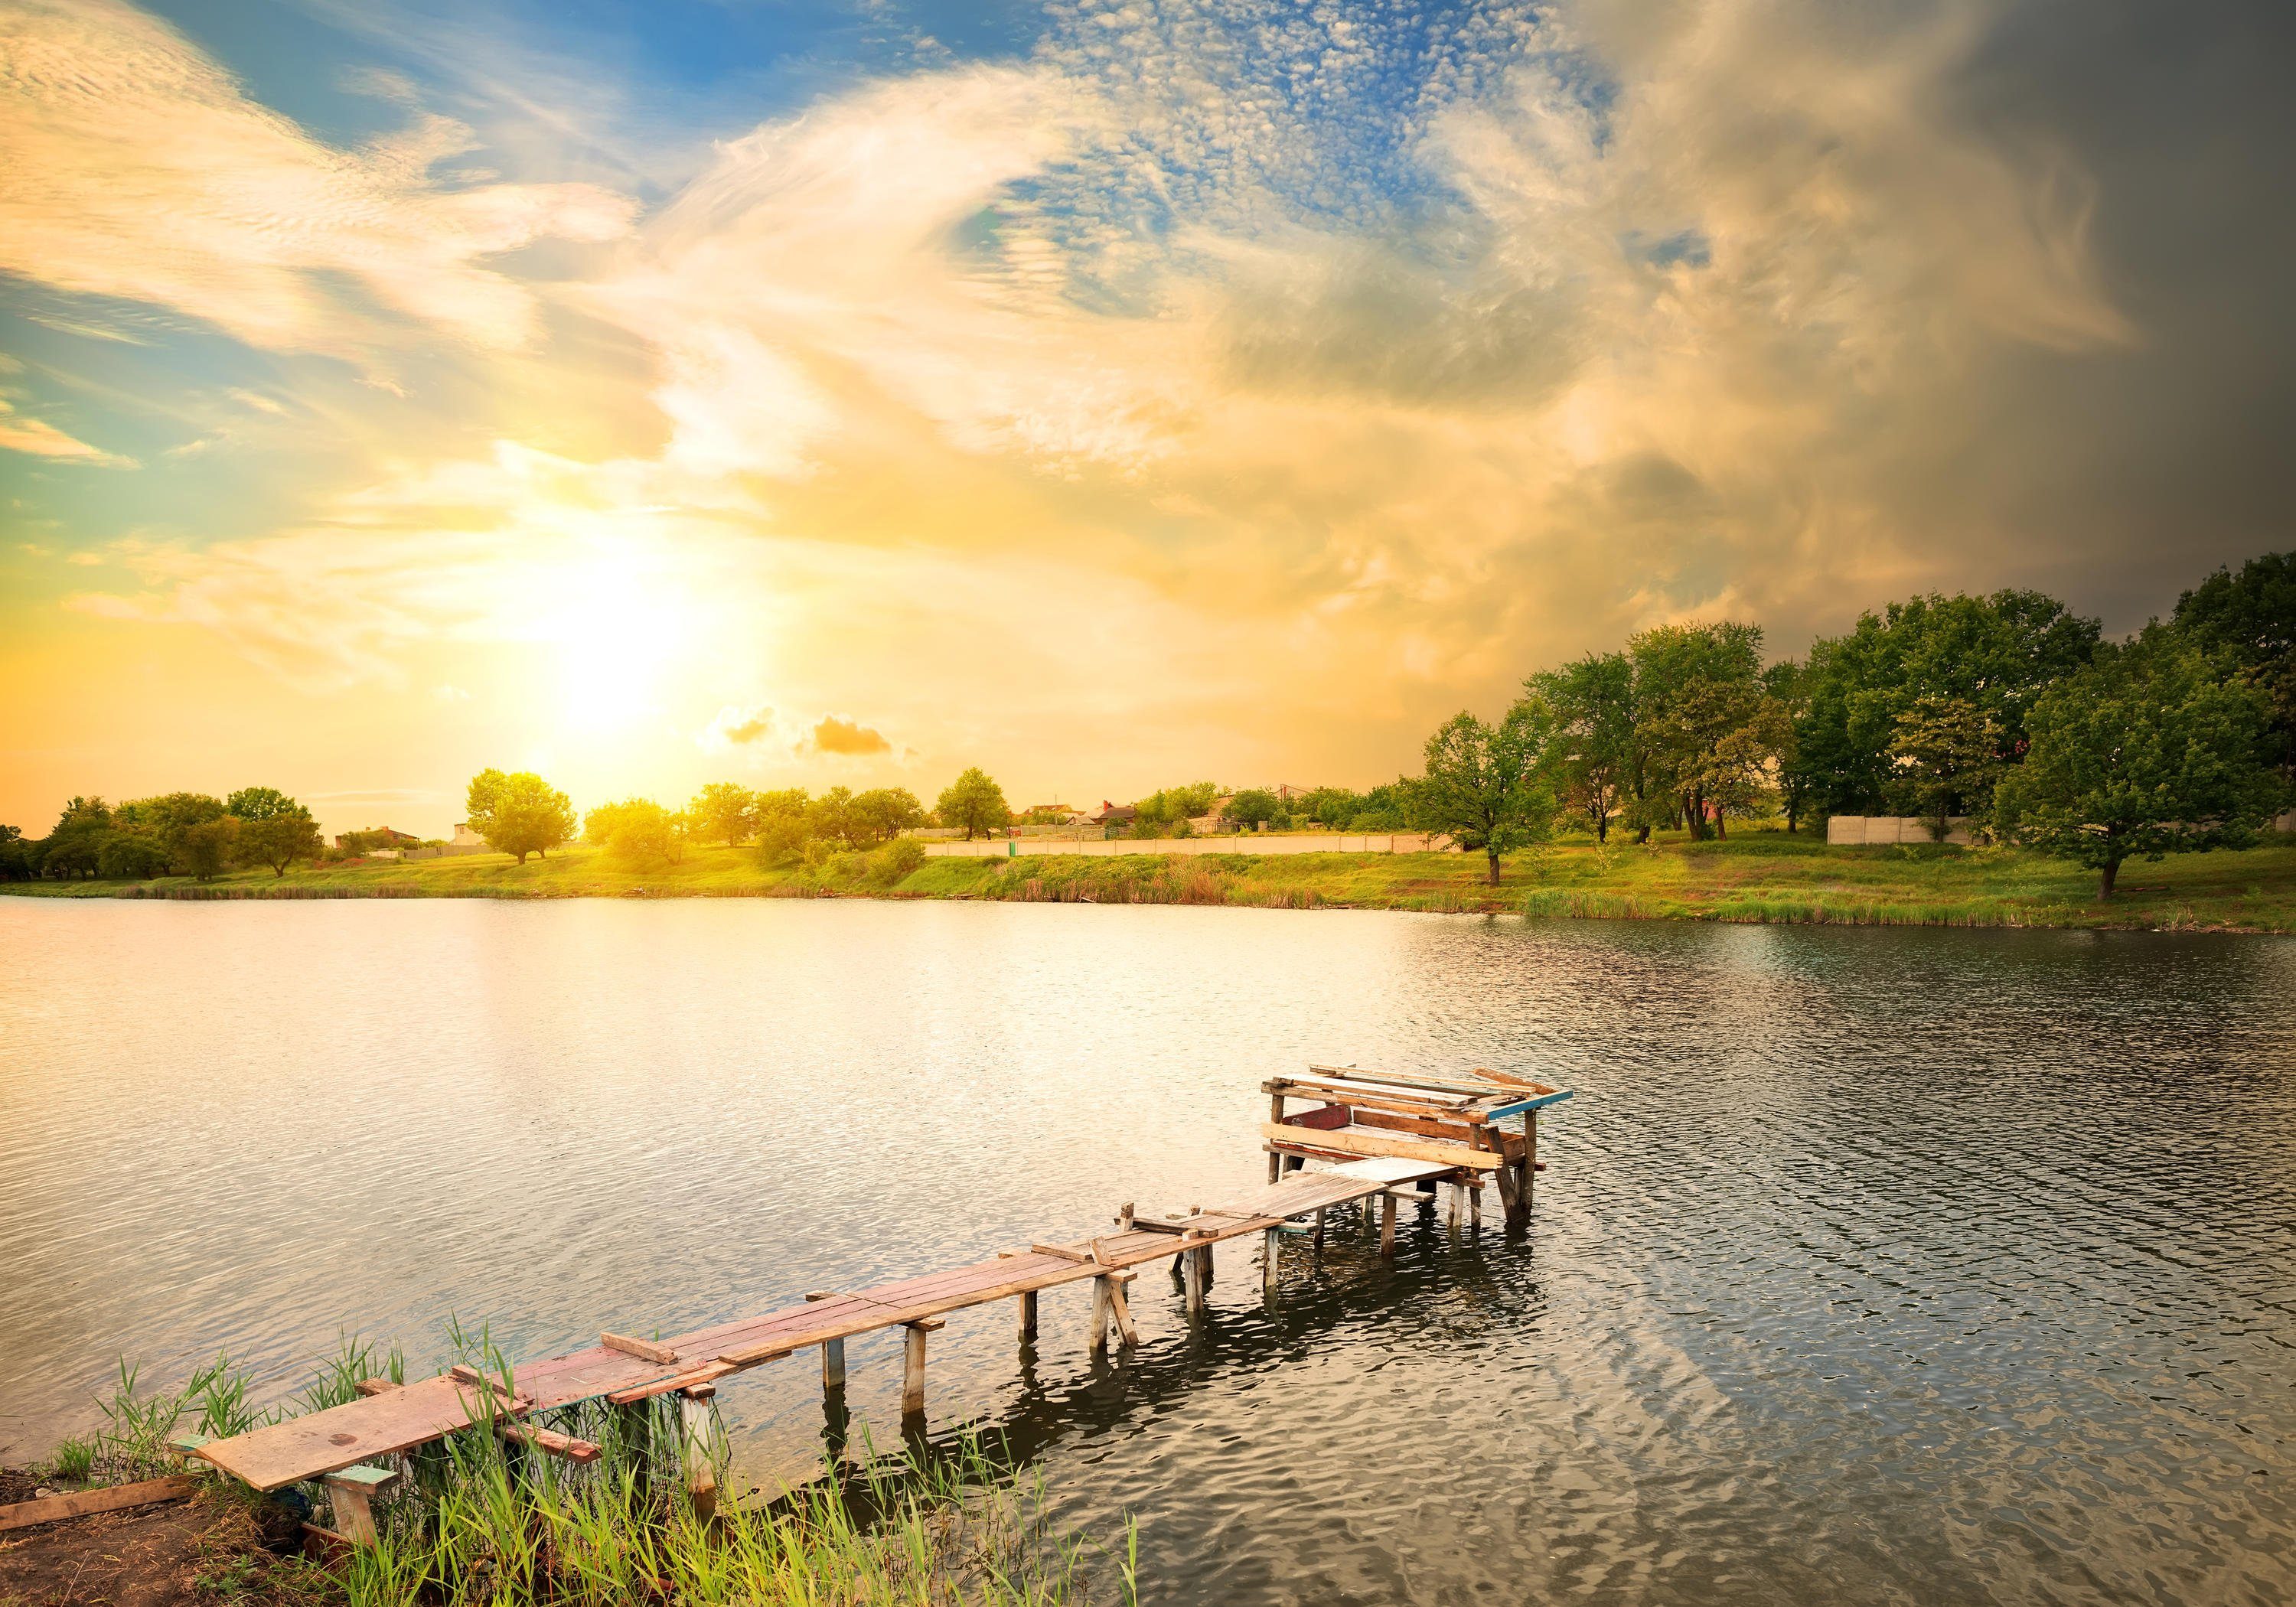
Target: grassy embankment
[(472, 1522), (1755, 876)]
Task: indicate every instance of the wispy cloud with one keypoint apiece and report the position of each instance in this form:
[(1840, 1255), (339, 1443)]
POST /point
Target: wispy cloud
[(132, 165), (43, 440)]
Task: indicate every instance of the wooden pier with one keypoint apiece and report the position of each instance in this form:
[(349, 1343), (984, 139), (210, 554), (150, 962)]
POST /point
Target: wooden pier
[(1383, 1135)]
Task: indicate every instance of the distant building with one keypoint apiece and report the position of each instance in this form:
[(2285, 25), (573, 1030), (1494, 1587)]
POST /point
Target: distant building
[(1114, 815), (465, 838)]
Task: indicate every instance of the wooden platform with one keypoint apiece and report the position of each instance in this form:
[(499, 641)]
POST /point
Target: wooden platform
[(399, 1419)]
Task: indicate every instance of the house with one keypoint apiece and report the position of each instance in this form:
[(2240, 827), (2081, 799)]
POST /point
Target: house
[(1113, 816), (465, 838)]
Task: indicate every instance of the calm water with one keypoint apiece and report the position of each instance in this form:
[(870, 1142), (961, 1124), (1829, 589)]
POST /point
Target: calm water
[(1871, 1266)]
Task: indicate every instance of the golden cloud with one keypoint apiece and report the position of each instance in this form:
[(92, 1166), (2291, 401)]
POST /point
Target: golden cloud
[(833, 735)]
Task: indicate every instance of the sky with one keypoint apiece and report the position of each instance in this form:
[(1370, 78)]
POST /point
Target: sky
[(1110, 395)]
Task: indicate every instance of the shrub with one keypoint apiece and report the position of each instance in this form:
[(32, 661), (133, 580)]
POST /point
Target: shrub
[(895, 861)]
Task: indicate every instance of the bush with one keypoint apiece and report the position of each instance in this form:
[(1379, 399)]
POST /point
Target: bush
[(781, 842), (895, 861)]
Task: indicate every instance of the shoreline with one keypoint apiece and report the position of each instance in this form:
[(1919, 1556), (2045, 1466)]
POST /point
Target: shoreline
[(1759, 878)]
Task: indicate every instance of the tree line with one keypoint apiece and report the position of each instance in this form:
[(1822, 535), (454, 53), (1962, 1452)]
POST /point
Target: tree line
[(2008, 712), (174, 834)]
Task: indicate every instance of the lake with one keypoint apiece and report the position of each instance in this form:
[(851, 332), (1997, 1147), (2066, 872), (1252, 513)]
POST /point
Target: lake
[(1874, 1266)]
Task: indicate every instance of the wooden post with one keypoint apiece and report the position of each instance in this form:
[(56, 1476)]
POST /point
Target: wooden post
[(1100, 1316), (1192, 1273), (1319, 1230), (1387, 1226), (832, 1351), (1275, 1114), (912, 1366), (1121, 1307), (1529, 1160), (694, 1449), (1475, 1204), (1029, 1317), (1271, 1242), (350, 1494), (1452, 1218)]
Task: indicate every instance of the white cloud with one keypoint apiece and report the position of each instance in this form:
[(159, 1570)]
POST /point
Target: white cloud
[(132, 165), (43, 440)]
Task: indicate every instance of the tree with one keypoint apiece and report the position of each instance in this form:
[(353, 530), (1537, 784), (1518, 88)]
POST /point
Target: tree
[(168, 820), (1997, 652), (2147, 752), (1948, 755), (639, 829), (973, 804), (273, 829), (518, 814), (830, 818), (2247, 622), (76, 846), (1594, 702), (1252, 807), (210, 848), (1788, 684), (131, 856), (782, 826), (15, 855), (1708, 731), (1491, 787), (725, 812), (883, 812)]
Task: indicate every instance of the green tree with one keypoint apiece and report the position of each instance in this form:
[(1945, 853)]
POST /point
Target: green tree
[(15, 855), (725, 812), (1251, 807), (883, 812), (273, 829), (1491, 787), (973, 804), (1594, 702), (1708, 731), (640, 829), (830, 818), (76, 846), (168, 819), (1948, 755), (2149, 751), (1788, 684), (2247, 621), (782, 826), (1997, 652), (518, 814), (132, 856), (209, 848)]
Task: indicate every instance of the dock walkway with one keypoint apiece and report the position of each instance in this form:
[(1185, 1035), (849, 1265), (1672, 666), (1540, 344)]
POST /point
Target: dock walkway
[(399, 1419)]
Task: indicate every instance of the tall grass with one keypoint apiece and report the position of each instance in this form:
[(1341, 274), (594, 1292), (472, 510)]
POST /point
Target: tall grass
[(478, 1519)]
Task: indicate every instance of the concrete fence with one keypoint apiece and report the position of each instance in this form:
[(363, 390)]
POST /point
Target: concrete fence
[(1254, 842), (1853, 830)]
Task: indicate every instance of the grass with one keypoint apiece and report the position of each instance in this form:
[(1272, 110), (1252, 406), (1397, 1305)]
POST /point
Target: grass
[(475, 1521), (1753, 876)]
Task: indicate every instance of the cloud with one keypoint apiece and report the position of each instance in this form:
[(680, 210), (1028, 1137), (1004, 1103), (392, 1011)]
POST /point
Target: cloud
[(833, 735), (736, 727), (40, 440), (132, 165)]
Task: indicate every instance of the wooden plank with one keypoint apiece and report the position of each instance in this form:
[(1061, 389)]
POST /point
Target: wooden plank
[(80, 1503), (1452, 1131), (1362, 1141), (305, 1448), (645, 1350), (550, 1440), (1539, 1103)]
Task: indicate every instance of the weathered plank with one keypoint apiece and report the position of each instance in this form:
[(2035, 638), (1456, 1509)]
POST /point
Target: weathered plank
[(81, 1504), (1366, 1140)]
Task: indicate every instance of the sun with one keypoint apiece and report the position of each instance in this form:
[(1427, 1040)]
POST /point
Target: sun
[(621, 630)]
